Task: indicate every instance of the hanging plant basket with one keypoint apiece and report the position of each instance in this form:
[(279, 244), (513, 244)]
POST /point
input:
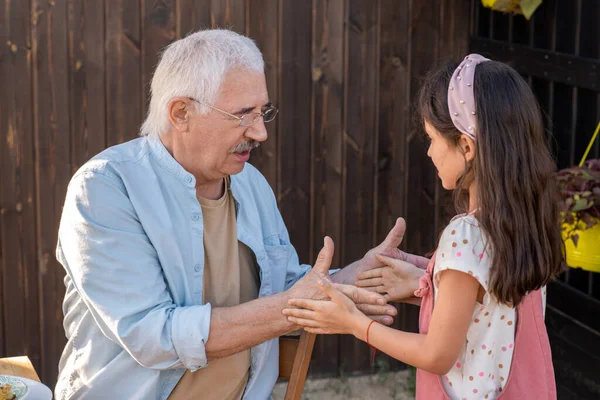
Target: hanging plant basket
[(523, 7), (580, 209), (584, 252)]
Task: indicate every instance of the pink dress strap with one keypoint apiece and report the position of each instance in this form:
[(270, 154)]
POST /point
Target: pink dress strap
[(531, 374), (429, 386)]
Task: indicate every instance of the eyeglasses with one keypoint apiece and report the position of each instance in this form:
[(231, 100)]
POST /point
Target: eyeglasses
[(249, 119)]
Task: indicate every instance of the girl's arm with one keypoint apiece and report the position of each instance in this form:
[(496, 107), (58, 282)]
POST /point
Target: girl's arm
[(435, 351)]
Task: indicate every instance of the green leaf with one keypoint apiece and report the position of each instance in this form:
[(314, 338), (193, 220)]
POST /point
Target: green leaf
[(581, 204)]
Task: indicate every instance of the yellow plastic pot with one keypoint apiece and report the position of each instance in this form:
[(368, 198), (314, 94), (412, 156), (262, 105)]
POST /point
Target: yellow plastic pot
[(587, 253), (525, 7)]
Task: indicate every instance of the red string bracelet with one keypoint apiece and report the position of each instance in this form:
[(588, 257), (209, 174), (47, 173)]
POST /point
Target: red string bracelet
[(367, 340)]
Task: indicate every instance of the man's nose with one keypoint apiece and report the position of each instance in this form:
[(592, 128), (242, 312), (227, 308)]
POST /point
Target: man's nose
[(257, 131)]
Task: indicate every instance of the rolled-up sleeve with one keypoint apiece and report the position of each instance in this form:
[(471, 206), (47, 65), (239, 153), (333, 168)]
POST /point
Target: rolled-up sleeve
[(116, 270)]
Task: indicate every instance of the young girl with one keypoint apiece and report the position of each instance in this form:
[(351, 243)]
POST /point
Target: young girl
[(482, 333)]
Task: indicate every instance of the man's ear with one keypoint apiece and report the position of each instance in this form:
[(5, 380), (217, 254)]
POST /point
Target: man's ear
[(468, 147), (179, 109)]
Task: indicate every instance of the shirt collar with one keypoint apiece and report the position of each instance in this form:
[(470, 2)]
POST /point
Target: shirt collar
[(168, 162)]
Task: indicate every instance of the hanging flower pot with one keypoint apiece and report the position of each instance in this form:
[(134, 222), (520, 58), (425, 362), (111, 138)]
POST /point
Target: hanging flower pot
[(524, 7), (586, 254), (580, 209)]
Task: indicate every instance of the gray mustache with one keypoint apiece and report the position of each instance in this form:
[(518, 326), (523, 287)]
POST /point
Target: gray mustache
[(247, 146)]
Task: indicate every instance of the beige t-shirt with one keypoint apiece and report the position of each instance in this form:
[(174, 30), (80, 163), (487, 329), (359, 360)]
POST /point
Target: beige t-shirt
[(230, 278)]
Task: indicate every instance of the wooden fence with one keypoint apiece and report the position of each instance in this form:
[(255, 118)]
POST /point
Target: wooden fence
[(342, 155), (558, 52)]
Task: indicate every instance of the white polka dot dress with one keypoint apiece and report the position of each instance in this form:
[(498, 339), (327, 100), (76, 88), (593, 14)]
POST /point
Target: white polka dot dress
[(482, 368)]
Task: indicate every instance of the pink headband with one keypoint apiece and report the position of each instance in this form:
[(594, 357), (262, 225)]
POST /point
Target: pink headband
[(461, 101)]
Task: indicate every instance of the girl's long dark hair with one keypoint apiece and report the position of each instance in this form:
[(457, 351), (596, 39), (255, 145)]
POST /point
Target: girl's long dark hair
[(517, 196)]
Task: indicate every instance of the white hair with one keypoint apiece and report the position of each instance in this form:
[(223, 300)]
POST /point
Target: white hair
[(195, 66)]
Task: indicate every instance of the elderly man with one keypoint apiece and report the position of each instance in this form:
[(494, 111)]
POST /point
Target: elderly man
[(178, 261)]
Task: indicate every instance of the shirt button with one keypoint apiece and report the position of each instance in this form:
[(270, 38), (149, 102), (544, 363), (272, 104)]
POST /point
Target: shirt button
[(195, 217), (188, 179), (197, 268)]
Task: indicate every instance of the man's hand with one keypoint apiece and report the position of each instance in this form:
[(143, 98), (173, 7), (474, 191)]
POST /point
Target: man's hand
[(389, 247), (397, 280), (390, 271), (307, 287), (337, 315)]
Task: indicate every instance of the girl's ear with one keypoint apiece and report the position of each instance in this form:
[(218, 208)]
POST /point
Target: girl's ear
[(468, 147)]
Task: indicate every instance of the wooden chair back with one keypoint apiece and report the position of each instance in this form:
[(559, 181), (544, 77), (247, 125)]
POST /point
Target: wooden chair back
[(294, 358)]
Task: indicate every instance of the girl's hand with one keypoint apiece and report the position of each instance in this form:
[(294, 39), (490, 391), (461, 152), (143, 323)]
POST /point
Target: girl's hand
[(397, 280), (338, 315), (372, 304)]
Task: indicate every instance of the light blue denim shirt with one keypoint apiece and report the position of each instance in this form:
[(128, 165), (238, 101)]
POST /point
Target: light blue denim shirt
[(130, 240)]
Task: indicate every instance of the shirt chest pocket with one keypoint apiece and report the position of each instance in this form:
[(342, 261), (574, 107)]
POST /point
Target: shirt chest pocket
[(277, 259)]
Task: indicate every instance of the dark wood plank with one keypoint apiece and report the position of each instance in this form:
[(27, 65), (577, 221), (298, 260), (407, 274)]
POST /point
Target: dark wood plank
[(544, 26), (499, 26), (491, 19), (562, 68), (567, 27), (454, 29), (394, 119), (263, 27), (482, 20), (158, 31), (192, 15), (521, 32), (589, 29), (562, 124), (542, 90), (422, 176), (294, 122), (228, 14), (53, 170), (19, 284), (327, 143), (586, 121), (123, 71), (87, 66), (360, 146), (574, 303), (422, 182), (575, 354)]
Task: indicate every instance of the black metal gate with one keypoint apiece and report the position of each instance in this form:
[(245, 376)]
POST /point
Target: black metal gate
[(558, 52)]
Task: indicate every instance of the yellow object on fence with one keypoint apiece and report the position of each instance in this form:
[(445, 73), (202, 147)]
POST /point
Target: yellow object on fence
[(585, 254), (587, 151), (524, 7)]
